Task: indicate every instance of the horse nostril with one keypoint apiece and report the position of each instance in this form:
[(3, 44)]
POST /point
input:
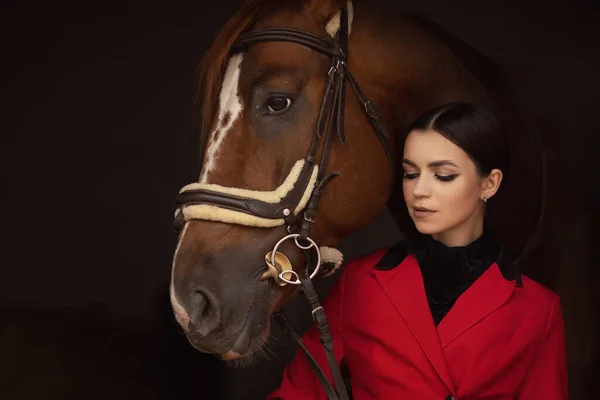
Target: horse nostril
[(204, 312)]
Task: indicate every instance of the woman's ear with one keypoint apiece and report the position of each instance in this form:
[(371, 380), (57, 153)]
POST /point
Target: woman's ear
[(327, 13), (491, 183)]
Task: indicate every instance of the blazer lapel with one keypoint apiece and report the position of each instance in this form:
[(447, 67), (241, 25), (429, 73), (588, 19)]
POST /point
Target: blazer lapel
[(404, 287), (483, 297)]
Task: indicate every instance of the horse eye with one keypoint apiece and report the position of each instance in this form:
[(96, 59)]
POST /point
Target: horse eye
[(278, 105)]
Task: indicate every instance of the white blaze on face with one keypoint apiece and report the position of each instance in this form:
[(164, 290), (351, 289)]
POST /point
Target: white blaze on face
[(230, 108), (180, 314)]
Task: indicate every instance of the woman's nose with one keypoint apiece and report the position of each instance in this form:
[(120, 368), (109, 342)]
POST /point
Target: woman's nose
[(421, 188)]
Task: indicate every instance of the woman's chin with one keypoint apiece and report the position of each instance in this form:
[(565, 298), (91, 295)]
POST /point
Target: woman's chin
[(426, 229)]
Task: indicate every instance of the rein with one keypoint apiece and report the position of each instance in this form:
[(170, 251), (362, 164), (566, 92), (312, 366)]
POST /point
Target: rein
[(296, 202)]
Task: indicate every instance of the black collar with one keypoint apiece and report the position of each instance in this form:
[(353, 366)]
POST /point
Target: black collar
[(398, 252)]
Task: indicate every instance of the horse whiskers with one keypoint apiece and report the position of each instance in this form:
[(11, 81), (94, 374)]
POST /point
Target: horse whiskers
[(275, 339), (249, 360), (256, 354), (261, 352), (266, 348)]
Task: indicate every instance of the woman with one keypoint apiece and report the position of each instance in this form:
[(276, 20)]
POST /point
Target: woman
[(443, 314)]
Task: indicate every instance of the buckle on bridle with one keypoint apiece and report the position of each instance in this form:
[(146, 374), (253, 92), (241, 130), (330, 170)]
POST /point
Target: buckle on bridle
[(307, 219), (319, 310), (371, 110)]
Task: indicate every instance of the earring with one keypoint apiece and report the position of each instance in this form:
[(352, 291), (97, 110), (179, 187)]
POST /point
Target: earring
[(485, 199)]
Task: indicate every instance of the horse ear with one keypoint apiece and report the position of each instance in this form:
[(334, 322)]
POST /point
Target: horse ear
[(327, 12)]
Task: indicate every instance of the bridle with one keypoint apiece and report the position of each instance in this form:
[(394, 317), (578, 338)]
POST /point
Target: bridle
[(298, 206)]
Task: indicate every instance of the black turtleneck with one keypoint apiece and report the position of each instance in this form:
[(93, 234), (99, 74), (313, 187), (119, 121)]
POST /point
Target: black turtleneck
[(449, 271)]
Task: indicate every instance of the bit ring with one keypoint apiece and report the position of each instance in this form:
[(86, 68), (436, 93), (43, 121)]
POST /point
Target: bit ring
[(311, 244)]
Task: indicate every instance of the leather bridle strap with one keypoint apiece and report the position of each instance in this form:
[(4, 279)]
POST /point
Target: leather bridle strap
[(375, 119), (307, 39), (320, 319), (324, 330), (252, 206), (280, 318)]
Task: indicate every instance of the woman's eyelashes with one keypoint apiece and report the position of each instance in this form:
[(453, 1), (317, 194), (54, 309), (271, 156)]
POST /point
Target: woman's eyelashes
[(440, 177), (446, 178)]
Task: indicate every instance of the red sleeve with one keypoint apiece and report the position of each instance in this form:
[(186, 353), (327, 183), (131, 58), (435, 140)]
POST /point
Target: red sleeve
[(299, 380), (547, 375)]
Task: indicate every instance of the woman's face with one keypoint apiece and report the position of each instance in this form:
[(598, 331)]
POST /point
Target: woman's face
[(442, 189)]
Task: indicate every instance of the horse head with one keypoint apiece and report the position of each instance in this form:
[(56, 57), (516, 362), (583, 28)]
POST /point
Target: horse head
[(281, 129)]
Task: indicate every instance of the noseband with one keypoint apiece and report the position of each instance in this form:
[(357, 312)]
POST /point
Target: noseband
[(296, 202)]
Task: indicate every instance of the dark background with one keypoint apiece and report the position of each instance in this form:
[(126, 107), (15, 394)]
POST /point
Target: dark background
[(96, 142)]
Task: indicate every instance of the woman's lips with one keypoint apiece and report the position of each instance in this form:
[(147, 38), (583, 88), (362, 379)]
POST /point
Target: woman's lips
[(422, 212)]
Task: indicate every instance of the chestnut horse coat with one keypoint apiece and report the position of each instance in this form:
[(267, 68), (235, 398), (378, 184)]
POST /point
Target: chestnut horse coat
[(500, 340)]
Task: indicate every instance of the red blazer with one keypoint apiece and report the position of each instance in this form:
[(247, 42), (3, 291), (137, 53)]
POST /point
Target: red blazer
[(500, 340)]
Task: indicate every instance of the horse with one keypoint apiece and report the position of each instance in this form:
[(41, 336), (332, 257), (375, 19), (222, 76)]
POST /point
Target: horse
[(305, 106)]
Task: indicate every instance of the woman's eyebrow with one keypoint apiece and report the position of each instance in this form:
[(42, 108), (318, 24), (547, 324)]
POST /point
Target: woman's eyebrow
[(441, 163), (432, 164)]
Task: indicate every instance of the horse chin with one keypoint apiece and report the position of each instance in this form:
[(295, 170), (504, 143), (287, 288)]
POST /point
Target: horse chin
[(250, 341), (231, 355), (246, 345)]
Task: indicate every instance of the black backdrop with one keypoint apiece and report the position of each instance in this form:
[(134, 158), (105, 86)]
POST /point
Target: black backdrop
[(95, 101)]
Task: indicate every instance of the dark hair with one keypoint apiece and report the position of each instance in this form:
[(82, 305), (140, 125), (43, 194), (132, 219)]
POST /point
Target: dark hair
[(473, 128)]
